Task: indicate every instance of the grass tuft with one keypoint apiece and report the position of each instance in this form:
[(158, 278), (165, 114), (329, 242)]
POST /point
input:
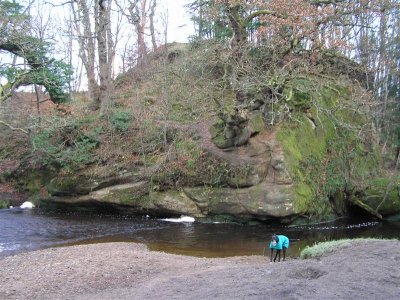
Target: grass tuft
[(327, 247)]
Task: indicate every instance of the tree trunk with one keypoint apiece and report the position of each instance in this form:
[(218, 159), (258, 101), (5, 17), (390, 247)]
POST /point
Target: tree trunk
[(87, 47), (138, 18), (152, 29), (102, 22), (239, 45)]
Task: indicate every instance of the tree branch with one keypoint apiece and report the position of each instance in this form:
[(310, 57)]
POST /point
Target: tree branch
[(263, 12), (14, 128)]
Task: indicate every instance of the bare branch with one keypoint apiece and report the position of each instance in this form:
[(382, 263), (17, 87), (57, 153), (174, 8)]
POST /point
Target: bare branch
[(14, 128)]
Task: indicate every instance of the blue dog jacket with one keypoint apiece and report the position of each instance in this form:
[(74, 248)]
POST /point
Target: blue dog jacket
[(283, 242)]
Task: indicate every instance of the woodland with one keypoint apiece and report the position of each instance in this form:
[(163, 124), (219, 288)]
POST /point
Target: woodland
[(273, 109)]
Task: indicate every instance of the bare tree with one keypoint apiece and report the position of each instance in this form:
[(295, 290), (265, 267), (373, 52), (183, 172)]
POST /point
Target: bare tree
[(152, 28), (87, 44), (140, 14), (102, 12), (97, 44)]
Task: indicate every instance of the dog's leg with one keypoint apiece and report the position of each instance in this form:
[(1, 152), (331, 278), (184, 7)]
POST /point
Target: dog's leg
[(284, 253), (277, 252)]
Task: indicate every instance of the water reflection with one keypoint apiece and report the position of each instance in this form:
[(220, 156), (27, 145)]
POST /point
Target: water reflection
[(28, 230)]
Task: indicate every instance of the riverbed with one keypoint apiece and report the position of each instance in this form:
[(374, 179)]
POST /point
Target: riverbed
[(27, 230)]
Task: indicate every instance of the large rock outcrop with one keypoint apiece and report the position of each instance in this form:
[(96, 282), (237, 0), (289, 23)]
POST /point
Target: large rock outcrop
[(258, 187)]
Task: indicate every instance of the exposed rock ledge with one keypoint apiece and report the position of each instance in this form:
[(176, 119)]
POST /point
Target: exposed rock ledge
[(263, 202), (263, 191)]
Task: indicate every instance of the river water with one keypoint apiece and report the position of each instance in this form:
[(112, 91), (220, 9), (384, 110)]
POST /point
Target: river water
[(26, 230)]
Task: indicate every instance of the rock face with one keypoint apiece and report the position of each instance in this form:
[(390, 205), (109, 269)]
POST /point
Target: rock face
[(263, 201), (258, 188)]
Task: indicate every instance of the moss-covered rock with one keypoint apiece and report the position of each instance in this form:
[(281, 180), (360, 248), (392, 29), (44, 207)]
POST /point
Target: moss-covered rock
[(218, 136), (323, 151), (256, 122)]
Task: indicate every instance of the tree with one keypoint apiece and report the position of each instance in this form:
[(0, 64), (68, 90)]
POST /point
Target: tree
[(140, 14), (97, 44), (53, 74)]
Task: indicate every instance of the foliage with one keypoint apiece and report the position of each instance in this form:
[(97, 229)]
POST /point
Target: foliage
[(150, 138), (15, 38), (181, 164), (188, 165), (4, 204), (121, 120), (68, 147)]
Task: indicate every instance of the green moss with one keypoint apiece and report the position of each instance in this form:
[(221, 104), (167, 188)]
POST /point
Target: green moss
[(301, 143), (304, 196), (256, 122), (4, 204), (321, 154), (301, 92), (35, 180), (189, 152), (127, 197), (218, 137)]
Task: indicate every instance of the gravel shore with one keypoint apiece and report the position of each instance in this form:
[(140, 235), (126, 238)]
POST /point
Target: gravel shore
[(364, 270)]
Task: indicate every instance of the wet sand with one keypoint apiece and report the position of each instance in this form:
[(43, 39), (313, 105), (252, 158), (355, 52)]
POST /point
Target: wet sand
[(362, 270)]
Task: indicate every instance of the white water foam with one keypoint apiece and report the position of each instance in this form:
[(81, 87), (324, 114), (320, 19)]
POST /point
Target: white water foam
[(182, 219), (27, 204)]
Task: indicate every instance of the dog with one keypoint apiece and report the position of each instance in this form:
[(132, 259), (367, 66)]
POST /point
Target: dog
[(278, 242)]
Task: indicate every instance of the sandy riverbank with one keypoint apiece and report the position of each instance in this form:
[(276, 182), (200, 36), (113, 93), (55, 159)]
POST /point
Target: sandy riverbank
[(364, 270)]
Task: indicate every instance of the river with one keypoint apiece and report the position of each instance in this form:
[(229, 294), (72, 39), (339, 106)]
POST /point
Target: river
[(26, 230)]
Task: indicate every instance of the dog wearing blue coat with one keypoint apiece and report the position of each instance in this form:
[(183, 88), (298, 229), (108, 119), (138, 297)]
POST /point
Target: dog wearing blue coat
[(279, 243)]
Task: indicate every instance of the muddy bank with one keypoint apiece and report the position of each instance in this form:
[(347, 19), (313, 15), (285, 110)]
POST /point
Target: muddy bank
[(364, 270)]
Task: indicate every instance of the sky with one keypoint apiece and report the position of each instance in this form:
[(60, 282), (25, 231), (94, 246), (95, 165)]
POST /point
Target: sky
[(179, 25)]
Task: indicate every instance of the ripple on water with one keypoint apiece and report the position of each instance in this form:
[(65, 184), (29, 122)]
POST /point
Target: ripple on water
[(9, 247)]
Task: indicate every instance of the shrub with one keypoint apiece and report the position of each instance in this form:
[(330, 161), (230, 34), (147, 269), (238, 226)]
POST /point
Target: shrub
[(68, 147), (121, 120)]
